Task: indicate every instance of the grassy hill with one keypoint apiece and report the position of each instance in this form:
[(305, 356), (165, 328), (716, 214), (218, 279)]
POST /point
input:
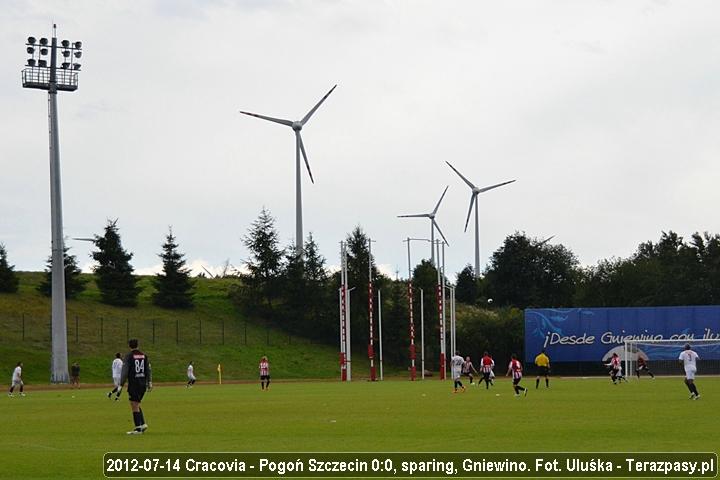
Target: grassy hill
[(211, 333)]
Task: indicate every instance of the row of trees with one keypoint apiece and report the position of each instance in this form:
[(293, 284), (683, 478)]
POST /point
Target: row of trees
[(114, 275), (525, 272), (299, 294)]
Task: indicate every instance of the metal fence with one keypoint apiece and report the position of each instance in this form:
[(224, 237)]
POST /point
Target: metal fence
[(111, 330)]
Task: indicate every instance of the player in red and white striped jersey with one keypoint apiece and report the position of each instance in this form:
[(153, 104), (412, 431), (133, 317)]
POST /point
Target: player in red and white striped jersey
[(264, 373), (486, 367), (515, 367), (468, 368), (616, 373)]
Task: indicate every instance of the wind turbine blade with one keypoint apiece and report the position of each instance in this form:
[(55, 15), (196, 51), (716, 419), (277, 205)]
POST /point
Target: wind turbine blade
[(546, 240), (469, 183), (302, 149), (440, 232), (310, 113), (441, 198), (417, 215), (473, 198), (485, 189), (271, 119), (84, 239)]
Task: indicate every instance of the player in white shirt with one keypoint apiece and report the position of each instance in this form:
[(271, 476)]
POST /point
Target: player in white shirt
[(456, 364), (190, 375), (117, 366), (17, 380), (689, 360)]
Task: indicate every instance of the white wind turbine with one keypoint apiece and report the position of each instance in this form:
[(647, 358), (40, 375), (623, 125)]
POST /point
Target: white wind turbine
[(433, 226), (474, 201), (299, 148)]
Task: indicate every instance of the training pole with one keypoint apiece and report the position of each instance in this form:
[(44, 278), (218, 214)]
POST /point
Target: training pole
[(342, 292), (441, 317), (422, 334), (380, 331), (413, 370), (371, 348)]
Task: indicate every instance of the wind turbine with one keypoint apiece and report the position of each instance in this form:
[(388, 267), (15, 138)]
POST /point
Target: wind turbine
[(433, 225), (299, 148), (474, 201)]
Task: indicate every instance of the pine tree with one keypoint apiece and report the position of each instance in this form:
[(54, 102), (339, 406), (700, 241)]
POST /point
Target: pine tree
[(114, 274), (74, 283), (174, 287), (8, 278), (320, 308), (265, 263)]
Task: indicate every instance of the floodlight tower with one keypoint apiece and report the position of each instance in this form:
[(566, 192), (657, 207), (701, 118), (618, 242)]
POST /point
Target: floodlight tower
[(53, 78)]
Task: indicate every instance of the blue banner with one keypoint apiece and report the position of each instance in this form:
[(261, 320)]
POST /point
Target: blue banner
[(594, 334)]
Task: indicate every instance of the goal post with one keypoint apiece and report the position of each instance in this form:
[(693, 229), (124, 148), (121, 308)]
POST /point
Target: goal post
[(661, 356)]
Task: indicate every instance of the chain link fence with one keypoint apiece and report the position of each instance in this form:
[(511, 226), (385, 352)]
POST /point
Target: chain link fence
[(100, 330)]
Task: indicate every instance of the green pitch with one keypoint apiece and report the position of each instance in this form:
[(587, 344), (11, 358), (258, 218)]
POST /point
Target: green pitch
[(64, 433)]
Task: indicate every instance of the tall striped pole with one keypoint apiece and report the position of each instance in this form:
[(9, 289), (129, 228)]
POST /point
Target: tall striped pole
[(439, 294), (371, 347), (343, 312)]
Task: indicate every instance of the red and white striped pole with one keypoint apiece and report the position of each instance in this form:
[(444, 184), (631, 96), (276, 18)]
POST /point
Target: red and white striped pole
[(413, 369), (371, 347), (343, 317), (441, 306)]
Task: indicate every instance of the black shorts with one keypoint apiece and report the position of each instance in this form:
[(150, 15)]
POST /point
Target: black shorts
[(264, 377), (136, 393), (486, 375), (516, 380), (642, 367), (543, 371), (467, 374)]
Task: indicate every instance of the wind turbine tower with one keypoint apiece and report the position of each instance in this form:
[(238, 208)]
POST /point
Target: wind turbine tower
[(433, 225), (299, 148), (474, 202)]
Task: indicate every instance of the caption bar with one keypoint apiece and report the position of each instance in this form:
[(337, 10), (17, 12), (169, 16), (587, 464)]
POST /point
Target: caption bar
[(409, 465)]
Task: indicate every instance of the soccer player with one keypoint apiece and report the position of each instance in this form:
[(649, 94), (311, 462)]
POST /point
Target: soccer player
[(264, 373), (75, 375), (689, 360), (17, 380), (542, 361), (456, 365), (136, 370), (468, 368), (515, 367), (117, 367), (615, 366), (191, 376), (642, 365), (486, 365)]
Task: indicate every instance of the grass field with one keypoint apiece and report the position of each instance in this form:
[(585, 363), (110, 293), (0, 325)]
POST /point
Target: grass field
[(64, 433)]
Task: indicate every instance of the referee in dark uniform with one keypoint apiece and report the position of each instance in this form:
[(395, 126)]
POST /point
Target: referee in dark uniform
[(136, 371)]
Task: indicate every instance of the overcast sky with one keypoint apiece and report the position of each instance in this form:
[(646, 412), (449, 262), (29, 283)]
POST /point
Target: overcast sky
[(606, 113)]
